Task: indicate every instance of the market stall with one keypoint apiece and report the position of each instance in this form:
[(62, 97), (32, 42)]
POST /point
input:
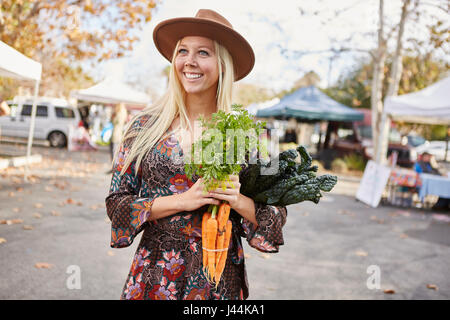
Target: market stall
[(15, 65), (427, 106), (112, 91)]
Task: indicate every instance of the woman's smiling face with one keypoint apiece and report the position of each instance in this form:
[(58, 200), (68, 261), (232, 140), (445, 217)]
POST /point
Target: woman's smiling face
[(196, 65)]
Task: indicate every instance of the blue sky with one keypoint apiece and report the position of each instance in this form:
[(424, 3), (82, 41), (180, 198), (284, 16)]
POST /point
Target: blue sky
[(270, 26)]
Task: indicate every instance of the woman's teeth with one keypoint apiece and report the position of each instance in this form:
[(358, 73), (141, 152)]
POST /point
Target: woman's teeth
[(192, 75)]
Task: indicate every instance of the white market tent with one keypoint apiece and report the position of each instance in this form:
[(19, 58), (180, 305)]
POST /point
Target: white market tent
[(430, 105), (111, 91), (15, 65)]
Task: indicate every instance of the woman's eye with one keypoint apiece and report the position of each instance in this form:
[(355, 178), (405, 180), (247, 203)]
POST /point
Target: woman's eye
[(204, 53), (182, 51)]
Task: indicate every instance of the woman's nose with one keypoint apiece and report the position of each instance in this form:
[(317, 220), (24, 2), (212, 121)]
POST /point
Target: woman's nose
[(190, 61)]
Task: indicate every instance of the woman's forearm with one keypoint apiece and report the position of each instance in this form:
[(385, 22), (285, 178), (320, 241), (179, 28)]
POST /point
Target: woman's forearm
[(165, 206), (246, 209)]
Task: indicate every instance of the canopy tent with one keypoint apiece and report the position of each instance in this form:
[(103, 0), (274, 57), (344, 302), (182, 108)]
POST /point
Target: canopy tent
[(111, 91), (15, 65), (311, 104), (254, 107), (430, 105)]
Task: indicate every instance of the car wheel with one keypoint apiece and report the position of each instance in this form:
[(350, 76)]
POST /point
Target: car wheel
[(57, 139)]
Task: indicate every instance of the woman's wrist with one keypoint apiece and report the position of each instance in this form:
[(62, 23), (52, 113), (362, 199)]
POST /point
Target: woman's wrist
[(246, 208)]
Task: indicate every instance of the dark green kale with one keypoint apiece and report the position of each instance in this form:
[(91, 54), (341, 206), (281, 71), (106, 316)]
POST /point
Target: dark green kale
[(293, 182)]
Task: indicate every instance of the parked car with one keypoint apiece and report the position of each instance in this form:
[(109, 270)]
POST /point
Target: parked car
[(356, 137), (54, 117)]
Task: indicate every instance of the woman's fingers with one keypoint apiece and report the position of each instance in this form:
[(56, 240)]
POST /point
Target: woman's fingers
[(231, 198), (212, 201)]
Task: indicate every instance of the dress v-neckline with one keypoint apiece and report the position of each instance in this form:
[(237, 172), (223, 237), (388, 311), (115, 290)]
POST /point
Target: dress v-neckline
[(171, 133)]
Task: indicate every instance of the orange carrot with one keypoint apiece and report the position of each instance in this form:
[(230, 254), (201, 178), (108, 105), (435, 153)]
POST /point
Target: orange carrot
[(205, 218), (211, 233), (223, 257), (222, 218)]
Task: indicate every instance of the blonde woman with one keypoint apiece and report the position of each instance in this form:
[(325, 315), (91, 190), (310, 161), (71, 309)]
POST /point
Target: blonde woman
[(150, 191)]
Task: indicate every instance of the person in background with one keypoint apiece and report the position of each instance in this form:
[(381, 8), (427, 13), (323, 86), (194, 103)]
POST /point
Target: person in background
[(4, 108), (426, 165), (290, 136)]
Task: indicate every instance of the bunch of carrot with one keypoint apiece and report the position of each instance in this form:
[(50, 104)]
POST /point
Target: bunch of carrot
[(216, 235)]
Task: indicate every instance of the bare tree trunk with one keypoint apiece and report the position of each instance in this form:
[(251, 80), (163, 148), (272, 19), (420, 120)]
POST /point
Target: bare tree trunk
[(377, 81), (394, 81)]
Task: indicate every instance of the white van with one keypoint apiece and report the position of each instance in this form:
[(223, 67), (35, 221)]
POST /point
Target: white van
[(54, 117)]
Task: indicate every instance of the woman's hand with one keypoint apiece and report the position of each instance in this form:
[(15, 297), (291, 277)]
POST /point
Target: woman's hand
[(231, 194), (195, 197)]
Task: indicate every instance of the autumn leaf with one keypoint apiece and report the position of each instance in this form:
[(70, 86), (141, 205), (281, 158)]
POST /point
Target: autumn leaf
[(111, 253), (43, 265), (37, 215), (55, 213), (28, 227), (389, 291), (11, 221), (2, 240), (265, 255), (361, 253), (432, 286), (38, 205)]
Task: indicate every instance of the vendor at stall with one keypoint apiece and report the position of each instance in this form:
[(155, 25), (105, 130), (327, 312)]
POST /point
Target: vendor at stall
[(427, 165), (4, 108)]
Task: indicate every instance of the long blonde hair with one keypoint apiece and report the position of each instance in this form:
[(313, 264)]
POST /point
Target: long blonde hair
[(173, 104)]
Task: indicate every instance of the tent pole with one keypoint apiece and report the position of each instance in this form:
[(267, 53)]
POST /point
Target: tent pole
[(446, 144), (31, 131)]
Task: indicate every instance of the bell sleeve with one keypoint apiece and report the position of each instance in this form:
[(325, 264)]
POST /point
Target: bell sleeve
[(267, 236), (127, 211)]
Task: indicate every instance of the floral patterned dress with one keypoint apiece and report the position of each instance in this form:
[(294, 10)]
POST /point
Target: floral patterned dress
[(167, 264)]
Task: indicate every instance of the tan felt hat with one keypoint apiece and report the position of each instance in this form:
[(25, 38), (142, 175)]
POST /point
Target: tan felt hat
[(209, 24)]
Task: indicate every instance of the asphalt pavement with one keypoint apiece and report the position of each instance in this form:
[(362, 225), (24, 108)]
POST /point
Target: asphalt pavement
[(54, 241)]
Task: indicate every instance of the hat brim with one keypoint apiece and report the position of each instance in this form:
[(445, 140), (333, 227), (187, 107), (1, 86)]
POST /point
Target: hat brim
[(167, 33)]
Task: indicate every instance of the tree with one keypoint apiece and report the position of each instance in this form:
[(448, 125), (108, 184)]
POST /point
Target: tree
[(383, 124), (438, 37), (77, 29), (354, 88), (62, 33), (246, 94), (309, 79)]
